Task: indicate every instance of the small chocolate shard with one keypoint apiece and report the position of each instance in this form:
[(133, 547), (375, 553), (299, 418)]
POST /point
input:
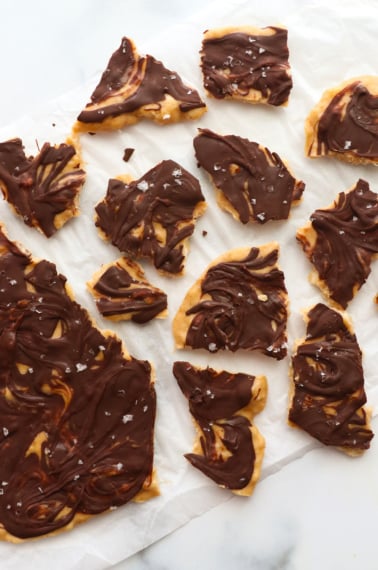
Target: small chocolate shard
[(128, 152)]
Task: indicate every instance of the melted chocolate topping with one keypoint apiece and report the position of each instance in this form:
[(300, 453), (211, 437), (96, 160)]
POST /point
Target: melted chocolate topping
[(346, 241), (121, 294), (242, 306), (350, 127), (238, 62), (215, 398), (39, 187), (148, 83), (255, 181), (77, 417), (132, 215), (329, 383)]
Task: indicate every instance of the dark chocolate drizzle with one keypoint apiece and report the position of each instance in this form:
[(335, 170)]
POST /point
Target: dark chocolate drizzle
[(243, 306), (69, 391), (167, 196), (40, 187), (122, 294), (238, 62), (346, 241), (255, 181), (353, 127), (215, 398), (150, 82), (329, 383)]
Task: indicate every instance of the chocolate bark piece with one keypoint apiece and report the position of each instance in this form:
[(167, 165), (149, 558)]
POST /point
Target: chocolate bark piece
[(344, 124), (44, 189), (77, 412), (228, 448), (247, 64), (239, 302), (135, 87), (341, 241), (328, 383), (252, 183), (153, 217), (122, 292)]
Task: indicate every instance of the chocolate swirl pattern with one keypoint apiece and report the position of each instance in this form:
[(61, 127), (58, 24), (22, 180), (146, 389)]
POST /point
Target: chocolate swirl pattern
[(328, 379), (240, 302), (246, 63), (153, 217), (341, 241), (134, 87), (252, 182), (229, 449), (344, 124), (43, 189), (77, 414), (122, 292)]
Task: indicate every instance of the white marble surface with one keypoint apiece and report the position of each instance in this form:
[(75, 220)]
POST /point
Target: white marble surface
[(320, 511)]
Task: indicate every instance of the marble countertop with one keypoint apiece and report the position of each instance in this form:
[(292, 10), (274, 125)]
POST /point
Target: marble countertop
[(318, 511)]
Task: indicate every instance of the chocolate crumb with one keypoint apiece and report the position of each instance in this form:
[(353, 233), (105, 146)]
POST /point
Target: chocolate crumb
[(128, 153)]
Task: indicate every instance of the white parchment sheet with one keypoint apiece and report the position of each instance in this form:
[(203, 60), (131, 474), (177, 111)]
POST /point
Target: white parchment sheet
[(328, 44)]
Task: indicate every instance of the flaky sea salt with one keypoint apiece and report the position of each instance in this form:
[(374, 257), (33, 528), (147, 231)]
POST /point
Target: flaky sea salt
[(142, 185), (127, 418)]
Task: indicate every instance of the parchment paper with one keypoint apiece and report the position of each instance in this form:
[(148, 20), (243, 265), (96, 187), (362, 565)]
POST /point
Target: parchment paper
[(327, 45)]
